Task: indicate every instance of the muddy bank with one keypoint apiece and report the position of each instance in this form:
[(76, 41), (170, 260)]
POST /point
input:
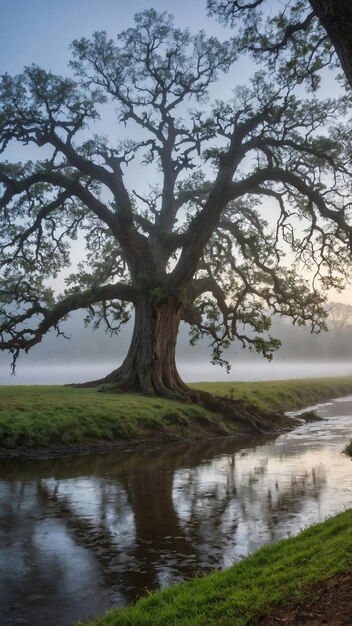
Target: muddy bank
[(327, 602), (105, 447)]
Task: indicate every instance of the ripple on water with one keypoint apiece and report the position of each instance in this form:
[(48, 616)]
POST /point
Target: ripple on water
[(80, 534)]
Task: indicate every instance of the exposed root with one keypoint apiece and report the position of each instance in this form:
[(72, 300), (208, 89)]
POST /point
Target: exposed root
[(250, 419), (118, 380)]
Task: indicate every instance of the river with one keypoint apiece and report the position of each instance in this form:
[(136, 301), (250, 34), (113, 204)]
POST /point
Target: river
[(80, 534)]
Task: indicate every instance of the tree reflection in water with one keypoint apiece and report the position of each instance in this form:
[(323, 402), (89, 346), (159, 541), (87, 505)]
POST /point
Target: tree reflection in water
[(86, 532)]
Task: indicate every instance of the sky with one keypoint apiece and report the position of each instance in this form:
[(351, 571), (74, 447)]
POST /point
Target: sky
[(40, 32)]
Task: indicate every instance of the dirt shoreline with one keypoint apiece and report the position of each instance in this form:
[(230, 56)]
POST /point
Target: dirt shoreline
[(103, 447), (77, 449), (327, 602)]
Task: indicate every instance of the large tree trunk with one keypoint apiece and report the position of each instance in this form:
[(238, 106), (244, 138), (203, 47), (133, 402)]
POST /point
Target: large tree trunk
[(336, 17), (150, 367), (150, 364)]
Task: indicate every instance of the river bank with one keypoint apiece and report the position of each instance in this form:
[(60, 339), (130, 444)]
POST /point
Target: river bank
[(277, 581), (46, 421), (86, 533)]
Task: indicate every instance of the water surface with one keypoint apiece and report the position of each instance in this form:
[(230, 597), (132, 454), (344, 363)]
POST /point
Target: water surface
[(81, 534)]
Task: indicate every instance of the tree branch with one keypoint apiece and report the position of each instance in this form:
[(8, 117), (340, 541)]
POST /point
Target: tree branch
[(16, 339)]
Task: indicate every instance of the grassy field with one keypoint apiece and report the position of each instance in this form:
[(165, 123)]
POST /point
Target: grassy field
[(275, 574), (44, 416), (48, 415), (282, 395)]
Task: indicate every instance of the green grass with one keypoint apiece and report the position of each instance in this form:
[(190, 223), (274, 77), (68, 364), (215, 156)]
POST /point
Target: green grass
[(44, 416), (275, 574), (38, 416), (282, 395)]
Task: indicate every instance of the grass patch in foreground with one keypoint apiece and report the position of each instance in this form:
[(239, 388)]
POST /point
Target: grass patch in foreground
[(275, 574)]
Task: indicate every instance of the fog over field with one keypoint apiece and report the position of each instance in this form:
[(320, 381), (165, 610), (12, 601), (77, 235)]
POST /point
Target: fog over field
[(59, 373), (90, 354)]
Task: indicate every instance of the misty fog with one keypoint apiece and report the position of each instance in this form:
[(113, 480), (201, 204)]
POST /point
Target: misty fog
[(90, 354)]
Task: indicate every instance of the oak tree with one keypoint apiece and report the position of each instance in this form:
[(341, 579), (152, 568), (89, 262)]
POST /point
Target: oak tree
[(187, 207), (300, 36)]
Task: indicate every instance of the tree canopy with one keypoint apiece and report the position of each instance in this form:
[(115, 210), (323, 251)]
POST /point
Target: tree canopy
[(299, 37), (220, 192)]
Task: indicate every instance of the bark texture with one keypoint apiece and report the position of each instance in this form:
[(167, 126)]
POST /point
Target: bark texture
[(150, 367), (150, 364), (336, 17)]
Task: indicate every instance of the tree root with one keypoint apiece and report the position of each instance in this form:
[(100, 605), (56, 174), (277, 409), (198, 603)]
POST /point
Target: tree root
[(251, 419)]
